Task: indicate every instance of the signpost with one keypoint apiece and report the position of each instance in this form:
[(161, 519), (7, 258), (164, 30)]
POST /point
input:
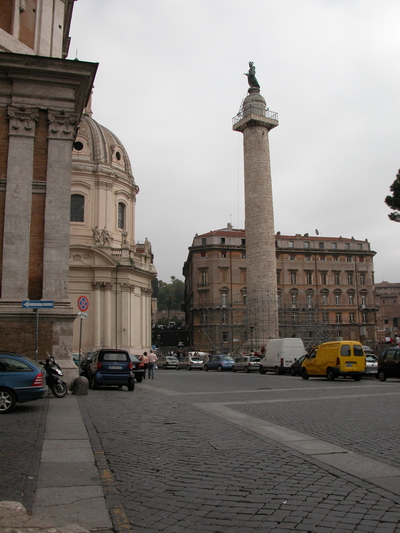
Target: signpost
[(83, 306), (37, 304)]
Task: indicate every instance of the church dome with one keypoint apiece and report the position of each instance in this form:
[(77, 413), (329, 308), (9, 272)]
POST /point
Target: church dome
[(97, 146)]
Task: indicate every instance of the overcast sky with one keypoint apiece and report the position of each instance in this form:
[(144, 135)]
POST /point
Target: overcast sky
[(170, 80)]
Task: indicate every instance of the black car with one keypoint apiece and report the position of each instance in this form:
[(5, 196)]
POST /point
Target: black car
[(389, 363), (110, 366), (137, 368), (295, 368)]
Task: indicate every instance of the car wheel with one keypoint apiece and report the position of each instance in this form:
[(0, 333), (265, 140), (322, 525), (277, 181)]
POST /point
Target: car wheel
[(330, 376), (219, 368), (233, 369), (356, 378), (304, 373), (7, 401), (277, 370), (292, 371), (381, 375), (262, 370), (93, 384), (189, 367), (206, 368), (131, 384), (139, 380), (247, 369)]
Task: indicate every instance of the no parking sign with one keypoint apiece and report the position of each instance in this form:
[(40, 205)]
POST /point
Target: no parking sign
[(83, 303)]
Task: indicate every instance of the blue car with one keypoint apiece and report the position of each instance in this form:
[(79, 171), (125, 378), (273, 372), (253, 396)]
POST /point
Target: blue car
[(21, 380), (219, 362), (110, 366)]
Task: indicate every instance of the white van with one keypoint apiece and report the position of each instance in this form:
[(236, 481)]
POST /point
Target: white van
[(281, 354)]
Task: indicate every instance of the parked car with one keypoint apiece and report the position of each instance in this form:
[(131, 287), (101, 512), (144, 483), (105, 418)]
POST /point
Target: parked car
[(21, 380), (371, 365), (193, 361), (389, 363), (219, 362), (137, 368), (295, 368), (111, 367), (170, 362), (247, 363)]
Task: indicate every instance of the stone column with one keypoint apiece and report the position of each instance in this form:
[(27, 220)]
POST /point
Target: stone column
[(61, 134), (18, 202), (109, 320), (255, 121), (97, 315)]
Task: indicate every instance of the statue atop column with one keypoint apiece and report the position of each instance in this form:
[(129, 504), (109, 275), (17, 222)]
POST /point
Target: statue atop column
[(251, 76)]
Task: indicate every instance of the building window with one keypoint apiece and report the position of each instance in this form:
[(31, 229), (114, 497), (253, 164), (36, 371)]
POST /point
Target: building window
[(351, 318), (349, 258), (337, 299), (322, 258), (203, 240), (306, 244), (204, 317), (334, 246), (292, 257), (338, 318), (121, 215), (293, 278), (362, 279), (364, 318), (203, 254), (223, 255), (224, 336), (324, 299), (243, 255), (224, 316), (335, 258), (351, 298), (310, 300), (204, 280), (323, 278), (243, 242), (325, 317), (337, 278), (278, 277), (224, 299), (309, 278), (359, 245), (321, 245), (347, 246), (77, 208), (363, 300), (308, 257), (350, 278), (361, 260), (291, 244), (222, 240)]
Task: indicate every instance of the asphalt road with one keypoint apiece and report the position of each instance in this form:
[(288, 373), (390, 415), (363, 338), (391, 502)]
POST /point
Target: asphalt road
[(234, 452)]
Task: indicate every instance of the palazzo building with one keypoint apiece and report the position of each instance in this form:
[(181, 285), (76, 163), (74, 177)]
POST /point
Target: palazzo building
[(388, 300), (325, 290)]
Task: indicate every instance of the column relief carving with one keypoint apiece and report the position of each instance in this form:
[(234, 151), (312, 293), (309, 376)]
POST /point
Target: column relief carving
[(97, 285), (127, 287), (22, 120), (62, 125)]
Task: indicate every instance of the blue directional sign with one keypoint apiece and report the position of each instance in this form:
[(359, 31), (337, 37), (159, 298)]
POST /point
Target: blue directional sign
[(37, 304)]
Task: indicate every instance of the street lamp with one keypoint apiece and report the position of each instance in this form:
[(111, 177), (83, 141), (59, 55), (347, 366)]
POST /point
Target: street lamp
[(251, 338)]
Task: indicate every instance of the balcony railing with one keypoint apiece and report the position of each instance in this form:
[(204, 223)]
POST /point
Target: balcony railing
[(252, 110)]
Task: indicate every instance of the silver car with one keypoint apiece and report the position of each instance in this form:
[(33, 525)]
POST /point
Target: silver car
[(247, 363), (371, 365)]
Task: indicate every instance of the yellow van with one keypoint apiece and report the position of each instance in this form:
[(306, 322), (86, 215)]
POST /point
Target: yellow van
[(334, 359)]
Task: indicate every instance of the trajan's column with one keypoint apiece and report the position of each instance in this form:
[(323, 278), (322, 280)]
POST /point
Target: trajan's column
[(254, 121)]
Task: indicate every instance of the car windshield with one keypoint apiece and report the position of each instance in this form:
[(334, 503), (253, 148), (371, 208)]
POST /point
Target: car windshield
[(134, 359), (371, 358), (255, 359), (227, 358)]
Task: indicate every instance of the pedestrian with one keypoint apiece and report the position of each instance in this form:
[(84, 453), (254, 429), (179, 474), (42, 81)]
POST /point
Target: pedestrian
[(152, 363), (145, 360)]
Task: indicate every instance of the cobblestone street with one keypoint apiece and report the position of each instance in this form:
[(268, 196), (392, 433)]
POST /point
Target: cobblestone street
[(179, 468)]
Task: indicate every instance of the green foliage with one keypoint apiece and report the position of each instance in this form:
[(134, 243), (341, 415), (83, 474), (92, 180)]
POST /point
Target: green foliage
[(394, 201), (170, 295)]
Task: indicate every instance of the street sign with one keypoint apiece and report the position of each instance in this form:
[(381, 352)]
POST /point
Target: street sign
[(37, 304), (83, 303), (82, 316)]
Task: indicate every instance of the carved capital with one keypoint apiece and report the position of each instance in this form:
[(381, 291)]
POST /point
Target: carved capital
[(127, 287), (108, 285), (62, 125), (22, 120), (97, 285)]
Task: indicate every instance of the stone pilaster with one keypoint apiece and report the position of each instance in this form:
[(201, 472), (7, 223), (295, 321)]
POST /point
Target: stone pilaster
[(18, 202), (61, 134)]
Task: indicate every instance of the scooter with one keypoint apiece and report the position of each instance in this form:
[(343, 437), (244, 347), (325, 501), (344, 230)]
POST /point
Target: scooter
[(53, 381)]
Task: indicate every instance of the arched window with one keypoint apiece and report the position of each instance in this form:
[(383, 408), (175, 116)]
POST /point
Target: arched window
[(121, 215), (77, 208)]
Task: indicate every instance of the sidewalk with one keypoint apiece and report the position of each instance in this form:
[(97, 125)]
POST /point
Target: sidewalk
[(68, 482)]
